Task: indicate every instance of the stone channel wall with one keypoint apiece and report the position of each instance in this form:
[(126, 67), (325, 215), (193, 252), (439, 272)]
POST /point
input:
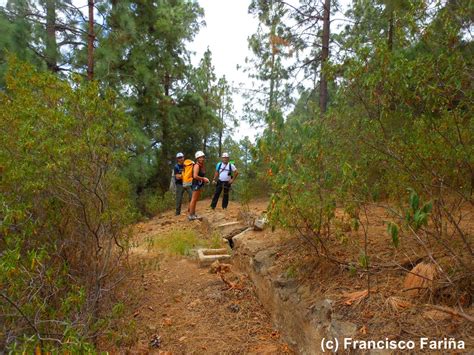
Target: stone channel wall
[(302, 321)]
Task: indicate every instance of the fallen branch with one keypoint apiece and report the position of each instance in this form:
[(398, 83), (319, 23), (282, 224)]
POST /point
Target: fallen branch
[(231, 285), (451, 311)]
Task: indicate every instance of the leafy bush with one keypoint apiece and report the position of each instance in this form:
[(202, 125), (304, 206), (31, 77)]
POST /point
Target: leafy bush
[(152, 202), (63, 208), (399, 128)]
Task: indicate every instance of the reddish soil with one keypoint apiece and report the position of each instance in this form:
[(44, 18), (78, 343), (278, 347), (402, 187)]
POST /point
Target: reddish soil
[(193, 312), (189, 310)]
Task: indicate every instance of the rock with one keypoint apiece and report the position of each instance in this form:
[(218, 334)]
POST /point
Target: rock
[(237, 239), (217, 266), (235, 308), (155, 341), (264, 259), (232, 233), (260, 223), (284, 282), (341, 329), (214, 266), (217, 297), (208, 256), (322, 310)]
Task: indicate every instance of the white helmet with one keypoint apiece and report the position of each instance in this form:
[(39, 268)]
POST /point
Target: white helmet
[(180, 155), (225, 155), (199, 154)]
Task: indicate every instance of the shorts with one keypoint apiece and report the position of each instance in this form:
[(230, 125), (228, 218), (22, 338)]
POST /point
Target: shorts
[(197, 187)]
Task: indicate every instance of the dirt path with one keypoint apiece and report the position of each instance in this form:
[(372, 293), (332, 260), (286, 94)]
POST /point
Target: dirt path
[(177, 307)]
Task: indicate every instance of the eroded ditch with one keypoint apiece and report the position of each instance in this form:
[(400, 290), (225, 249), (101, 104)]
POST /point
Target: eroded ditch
[(302, 321)]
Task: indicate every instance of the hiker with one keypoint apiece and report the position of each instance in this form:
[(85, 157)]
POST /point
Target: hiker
[(199, 179), (180, 187), (226, 173)]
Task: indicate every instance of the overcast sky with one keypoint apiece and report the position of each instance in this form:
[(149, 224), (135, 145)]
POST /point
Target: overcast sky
[(228, 25)]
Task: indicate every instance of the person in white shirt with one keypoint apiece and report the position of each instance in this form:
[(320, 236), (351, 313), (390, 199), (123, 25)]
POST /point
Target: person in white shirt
[(224, 176)]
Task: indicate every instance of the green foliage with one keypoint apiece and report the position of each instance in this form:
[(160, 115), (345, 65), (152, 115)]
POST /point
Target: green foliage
[(416, 216), (393, 231), (291, 272), (400, 116), (146, 59), (152, 202), (177, 242), (63, 207), (363, 260), (44, 33), (302, 177), (141, 52)]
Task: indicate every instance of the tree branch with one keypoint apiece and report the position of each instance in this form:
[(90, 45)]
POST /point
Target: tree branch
[(24, 316)]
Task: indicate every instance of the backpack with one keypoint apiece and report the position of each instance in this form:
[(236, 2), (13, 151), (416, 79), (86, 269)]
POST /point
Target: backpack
[(188, 172), (228, 165)]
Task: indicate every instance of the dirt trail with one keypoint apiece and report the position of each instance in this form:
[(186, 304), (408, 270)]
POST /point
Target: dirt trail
[(184, 309)]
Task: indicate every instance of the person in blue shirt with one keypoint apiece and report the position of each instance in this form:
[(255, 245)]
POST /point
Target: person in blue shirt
[(224, 176), (178, 176)]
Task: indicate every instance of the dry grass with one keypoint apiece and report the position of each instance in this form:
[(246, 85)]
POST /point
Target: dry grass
[(354, 297), (397, 303)]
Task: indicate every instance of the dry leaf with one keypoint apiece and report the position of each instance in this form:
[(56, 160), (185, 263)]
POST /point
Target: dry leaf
[(355, 297), (436, 315), (397, 303)]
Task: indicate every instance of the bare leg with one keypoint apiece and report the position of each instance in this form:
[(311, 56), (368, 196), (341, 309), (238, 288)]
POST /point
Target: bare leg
[(194, 199)]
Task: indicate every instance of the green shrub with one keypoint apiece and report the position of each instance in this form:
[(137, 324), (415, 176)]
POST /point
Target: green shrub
[(63, 208), (152, 202)]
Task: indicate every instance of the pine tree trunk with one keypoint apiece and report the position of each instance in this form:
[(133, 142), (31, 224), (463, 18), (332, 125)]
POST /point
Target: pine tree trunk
[(90, 42), (221, 128), (323, 84), (271, 98), (390, 33), (165, 133), (51, 43)]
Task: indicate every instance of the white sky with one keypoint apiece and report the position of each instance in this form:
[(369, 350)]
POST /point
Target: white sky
[(228, 25)]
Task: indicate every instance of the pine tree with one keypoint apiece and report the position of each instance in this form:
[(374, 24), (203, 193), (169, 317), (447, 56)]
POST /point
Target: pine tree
[(55, 30), (144, 56), (268, 46)]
